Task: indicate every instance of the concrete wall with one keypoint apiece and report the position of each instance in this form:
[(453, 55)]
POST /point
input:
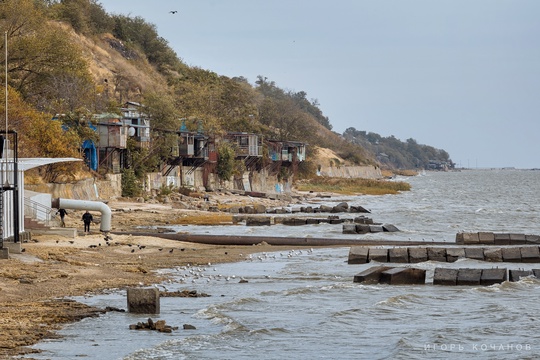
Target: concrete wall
[(88, 189), (365, 172)]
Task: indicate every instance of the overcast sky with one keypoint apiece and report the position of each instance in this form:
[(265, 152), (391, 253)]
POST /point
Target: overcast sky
[(459, 75)]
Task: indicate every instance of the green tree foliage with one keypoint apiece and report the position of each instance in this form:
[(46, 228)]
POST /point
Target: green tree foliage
[(394, 153), (143, 35), (44, 66), (84, 16), (226, 162), (131, 185)]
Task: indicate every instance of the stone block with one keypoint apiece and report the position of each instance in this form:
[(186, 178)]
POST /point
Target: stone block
[(258, 221), (454, 253), (398, 255), (502, 239), (511, 254), (474, 253), (444, 276), (517, 239), (516, 275), (403, 276), (436, 254), (377, 254), (487, 238), (417, 254), (471, 238), (530, 254), (358, 255), (349, 229), (143, 300), (390, 228), (375, 228), (371, 275), (532, 239), (493, 254), (469, 277), (362, 229), (493, 276)]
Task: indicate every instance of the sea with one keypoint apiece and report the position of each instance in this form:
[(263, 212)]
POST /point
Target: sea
[(302, 303)]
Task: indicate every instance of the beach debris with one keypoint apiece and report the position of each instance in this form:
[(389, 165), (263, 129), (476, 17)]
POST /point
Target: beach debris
[(159, 326)]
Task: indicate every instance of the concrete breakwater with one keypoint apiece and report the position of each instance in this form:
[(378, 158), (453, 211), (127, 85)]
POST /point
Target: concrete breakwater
[(342, 207), (363, 254), (490, 238), (274, 220), (441, 276)]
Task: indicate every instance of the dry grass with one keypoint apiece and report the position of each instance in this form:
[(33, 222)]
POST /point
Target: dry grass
[(353, 186)]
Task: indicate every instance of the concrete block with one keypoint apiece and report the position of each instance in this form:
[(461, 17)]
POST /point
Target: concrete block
[(417, 255), (487, 238), (460, 239), (258, 221), (502, 239), (471, 238), (444, 276), (349, 229), (375, 228), (515, 275), (493, 254), (532, 239), (517, 239), (314, 221), (390, 228), (376, 254), (398, 255), (493, 276), (436, 254), (4, 253), (511, 254), (362, 228), (371, 275), (403, 276), (536, 273), (469, 277), (474, 253), (454, 253), (358, 255), (530, 254), (143, 300), (13, 247)]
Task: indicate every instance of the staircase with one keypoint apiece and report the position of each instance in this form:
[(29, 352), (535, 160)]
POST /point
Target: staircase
[(42, 219)]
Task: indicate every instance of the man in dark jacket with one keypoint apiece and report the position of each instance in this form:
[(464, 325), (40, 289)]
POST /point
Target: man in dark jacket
[(62, 213), (87, 218)]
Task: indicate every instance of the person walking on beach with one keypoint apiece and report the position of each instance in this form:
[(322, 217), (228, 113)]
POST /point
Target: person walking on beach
[(87, 218), (62, 213)]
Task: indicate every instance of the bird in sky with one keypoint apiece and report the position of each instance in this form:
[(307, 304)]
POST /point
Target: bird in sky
[(173, 11)]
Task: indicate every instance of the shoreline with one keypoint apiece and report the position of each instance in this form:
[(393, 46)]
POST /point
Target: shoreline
[(34, 285)]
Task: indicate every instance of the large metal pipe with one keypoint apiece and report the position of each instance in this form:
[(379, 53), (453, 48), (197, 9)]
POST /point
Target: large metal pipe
[(106, 213)]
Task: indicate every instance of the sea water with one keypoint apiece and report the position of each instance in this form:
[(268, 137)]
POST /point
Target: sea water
[(302, 303)]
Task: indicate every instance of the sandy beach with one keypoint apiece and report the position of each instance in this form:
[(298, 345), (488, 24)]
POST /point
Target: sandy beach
[(34, 284)]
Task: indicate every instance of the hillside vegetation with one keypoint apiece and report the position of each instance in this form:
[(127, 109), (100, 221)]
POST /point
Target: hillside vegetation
[(70, 57)]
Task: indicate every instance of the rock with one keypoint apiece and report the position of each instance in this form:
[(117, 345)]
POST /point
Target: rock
[(189, 327), (358, 209)]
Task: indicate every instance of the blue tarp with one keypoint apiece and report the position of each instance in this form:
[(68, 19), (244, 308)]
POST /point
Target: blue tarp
[(90, 154)]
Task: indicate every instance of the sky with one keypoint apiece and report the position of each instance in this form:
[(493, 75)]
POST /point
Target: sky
[(458, 75)]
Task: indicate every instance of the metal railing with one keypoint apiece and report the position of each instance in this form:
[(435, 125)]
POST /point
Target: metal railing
[(40, 212)]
